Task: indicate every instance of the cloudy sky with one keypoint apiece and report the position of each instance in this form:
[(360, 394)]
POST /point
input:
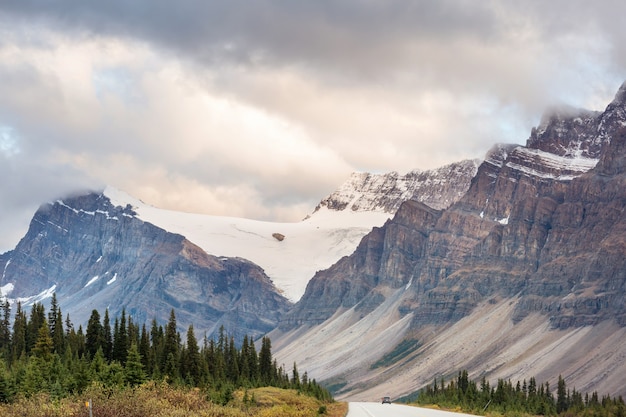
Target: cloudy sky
[(261, 108)]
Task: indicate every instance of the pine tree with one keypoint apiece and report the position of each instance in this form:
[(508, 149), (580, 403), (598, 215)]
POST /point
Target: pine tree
[(94, 339), (232, 362), (295, 376), (145, 351), (266, 369), (171, 348), (133, 372), (192, 368), (55, 323), (107, 347), (5, 328), (44, 345), (6, 392), (37, 318), (561, 396), (120, 339), (157, 338), (19, 334)]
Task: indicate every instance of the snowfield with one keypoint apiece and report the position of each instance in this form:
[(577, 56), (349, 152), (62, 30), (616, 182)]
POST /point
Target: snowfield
[(311, 245)]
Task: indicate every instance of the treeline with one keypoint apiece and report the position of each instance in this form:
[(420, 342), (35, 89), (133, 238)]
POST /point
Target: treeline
[(525, 397), (42, 352)]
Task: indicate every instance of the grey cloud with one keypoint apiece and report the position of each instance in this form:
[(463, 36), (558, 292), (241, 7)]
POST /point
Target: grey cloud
[(504, 60)]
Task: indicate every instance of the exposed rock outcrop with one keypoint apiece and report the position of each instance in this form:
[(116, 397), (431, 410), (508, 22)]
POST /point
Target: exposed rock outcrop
[(437, 188), (541, 225), (96, 255)]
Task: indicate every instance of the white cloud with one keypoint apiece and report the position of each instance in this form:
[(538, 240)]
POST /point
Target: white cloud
[(262, 109)]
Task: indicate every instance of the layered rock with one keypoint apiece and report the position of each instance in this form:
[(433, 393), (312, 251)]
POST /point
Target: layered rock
[(96, 255), (532, 224), (541, 226)]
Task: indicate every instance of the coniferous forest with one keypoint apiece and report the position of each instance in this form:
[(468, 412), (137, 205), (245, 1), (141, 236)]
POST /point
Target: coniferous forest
[(43, 352), (523, 398)]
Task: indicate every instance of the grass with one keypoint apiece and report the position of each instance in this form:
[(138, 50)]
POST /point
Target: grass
[(161, 400)]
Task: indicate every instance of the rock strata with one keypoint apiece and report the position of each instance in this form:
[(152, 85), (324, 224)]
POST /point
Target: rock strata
[(96, 255)]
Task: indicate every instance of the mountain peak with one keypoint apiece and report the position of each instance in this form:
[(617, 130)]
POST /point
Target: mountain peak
[(438, 188), (620, 96)]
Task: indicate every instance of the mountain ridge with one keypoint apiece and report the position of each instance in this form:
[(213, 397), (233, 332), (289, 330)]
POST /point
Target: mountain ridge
[(538, 234)]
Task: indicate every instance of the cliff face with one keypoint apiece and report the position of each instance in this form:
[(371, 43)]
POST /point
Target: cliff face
[(95, 255), (524, 276), (542, 225)]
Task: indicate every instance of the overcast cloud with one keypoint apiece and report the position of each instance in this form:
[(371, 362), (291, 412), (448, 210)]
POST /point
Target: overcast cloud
[(260, 109)]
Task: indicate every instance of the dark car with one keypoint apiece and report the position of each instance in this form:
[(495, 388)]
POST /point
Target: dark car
[(386, 400)]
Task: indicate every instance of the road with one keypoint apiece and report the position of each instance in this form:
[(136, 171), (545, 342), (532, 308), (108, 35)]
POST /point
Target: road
[(396, 410)]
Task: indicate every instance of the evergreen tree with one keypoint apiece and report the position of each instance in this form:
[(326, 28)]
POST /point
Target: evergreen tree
[(6, 391), (157, 337), (266, 369), (120, 339), (232, 362), (295, 376), (107, 347), (133, 371), (18, 340), (192, 368), (94, 338), (145, 351), (171, 348), (37, 318), (561, 396), (44, 345), (55, 323), (5, 329), (76, 341)]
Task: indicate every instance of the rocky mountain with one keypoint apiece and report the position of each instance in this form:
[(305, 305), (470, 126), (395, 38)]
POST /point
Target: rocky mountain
[(524, 276), (437, 188), (96, 255), (108, 250)]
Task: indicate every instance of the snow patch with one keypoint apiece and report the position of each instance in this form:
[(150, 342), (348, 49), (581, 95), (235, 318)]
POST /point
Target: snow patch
[(26, 301), (504, 220), (6, 289), (92, 280), (571, 167), (4, 271), (112, 280)]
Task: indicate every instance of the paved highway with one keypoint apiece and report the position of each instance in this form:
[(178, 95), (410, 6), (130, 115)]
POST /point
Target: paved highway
[(396, 410)]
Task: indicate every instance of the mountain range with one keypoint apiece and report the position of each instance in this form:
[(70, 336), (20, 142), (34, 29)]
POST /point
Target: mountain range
[(511, 267)]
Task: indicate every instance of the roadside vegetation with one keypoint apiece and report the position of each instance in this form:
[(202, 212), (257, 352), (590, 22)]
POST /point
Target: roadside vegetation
[(50, 368), (526, 398)]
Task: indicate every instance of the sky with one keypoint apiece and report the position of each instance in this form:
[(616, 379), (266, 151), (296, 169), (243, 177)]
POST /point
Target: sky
[(260, 109)]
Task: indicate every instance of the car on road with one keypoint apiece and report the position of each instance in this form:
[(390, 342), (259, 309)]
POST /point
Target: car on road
[(386, 400)]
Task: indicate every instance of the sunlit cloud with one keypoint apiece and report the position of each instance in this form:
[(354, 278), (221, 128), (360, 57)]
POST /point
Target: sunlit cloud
[(262, 109)]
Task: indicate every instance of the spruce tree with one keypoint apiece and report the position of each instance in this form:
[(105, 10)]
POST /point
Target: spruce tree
[(37, 318), (133, 371), (107, 347), (120, 340), (94, 339), (192, 369), (145, 351), (171, 348), (5, 328), (55, 323), (266, 369)]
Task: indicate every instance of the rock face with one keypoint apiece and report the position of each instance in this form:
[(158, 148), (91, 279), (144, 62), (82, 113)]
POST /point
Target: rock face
[(95, 255), (542, 226), (438, 188), (533, 223)]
